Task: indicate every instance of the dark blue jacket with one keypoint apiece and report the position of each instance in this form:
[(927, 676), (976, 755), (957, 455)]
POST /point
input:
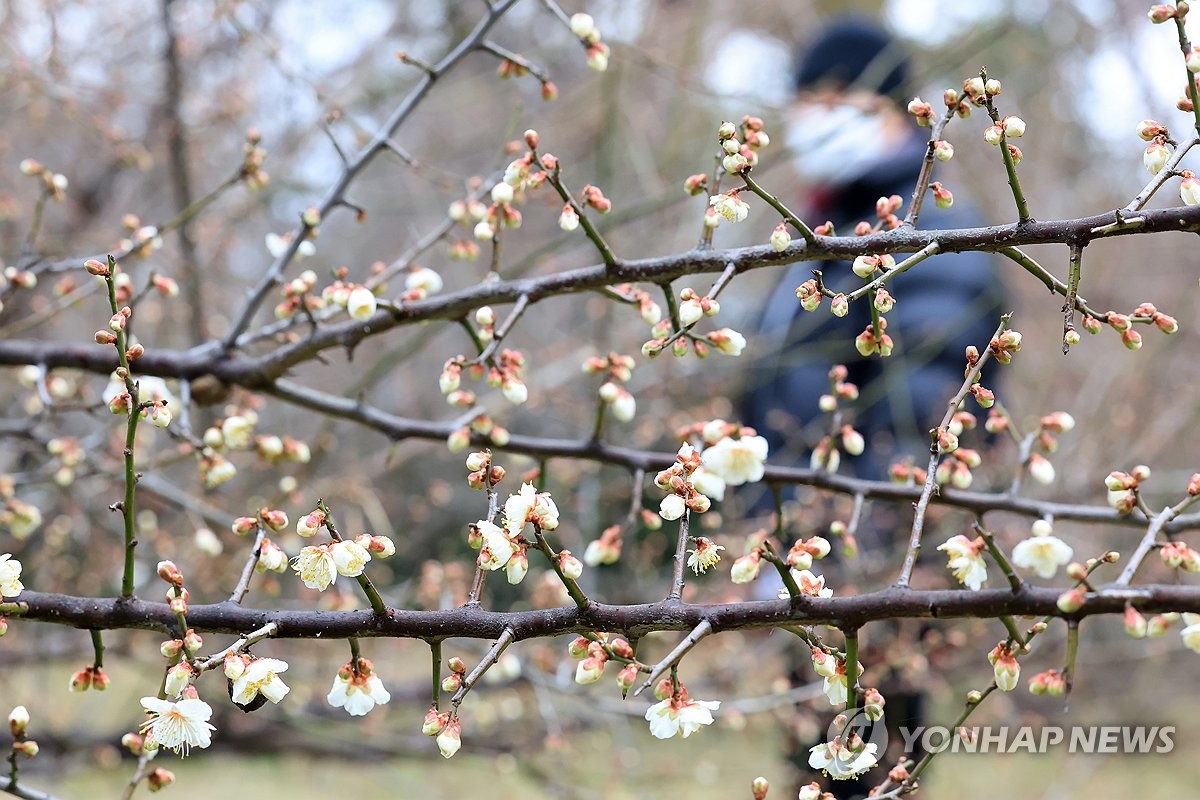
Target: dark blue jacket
[(942, 305)]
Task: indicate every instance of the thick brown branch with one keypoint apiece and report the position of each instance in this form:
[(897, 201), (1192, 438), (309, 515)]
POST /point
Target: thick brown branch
[(258, 372), (630, 620)]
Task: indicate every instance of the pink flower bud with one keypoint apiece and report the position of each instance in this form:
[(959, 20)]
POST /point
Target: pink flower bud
[(434, 722), (1071, 601), (589, 670), (1040, 469), (450, 739), (1155, 156), (571, 566), (1189, 188), (81, 681), (95, 267), (28, 748), (1160, 13), (626, 677), (1158, 625), (275, 519), (780, 238), (1135, 623), (159, 778), (1149, 129), (243, 525), (170, 573), (578, 648), (568, 220)]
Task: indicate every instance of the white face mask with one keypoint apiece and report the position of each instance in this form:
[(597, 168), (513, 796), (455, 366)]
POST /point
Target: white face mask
[(835, 145)]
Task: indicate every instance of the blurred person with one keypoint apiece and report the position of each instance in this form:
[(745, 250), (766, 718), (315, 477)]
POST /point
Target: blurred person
[(852, 142)]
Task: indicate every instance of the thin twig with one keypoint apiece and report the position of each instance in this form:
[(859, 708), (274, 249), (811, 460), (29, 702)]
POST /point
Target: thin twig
[(1144, 546), (243, 585), (680, 558), (364, 157), (493, 655), (805, 232), (672, 659), (218, 659), (918, 526), (922, 186)]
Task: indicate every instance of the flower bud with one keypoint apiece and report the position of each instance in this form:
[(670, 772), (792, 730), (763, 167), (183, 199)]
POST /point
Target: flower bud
[(589, 670), (839, 305), (450, 739), (28, 748), (170, 573), (1135, 623), (1189, 188), (780, 238), (571, 566), (434, 722), (159, 778), (95, 267), (1071, 601), (18, 721)]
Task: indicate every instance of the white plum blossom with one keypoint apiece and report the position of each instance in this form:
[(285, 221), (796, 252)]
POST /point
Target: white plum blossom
[(277, 245), (178, 725), (10, 576), (149, 388), (705, 555), (810, 584), (261, 677), (680, 715), (349, 557), (730, 206), (425, 279), (529, 505), (361, 304), (708, 483), (737, 461), (727, 341), (834, 688), (357, 693), (497, 549), (316, 567), (839, 762), (1043, 553), (746, 568), (449, 740), (966, 560), (1191, 632), (672, 507)]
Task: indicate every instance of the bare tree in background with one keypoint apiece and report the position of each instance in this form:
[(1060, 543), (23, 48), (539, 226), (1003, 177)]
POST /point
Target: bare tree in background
[(235, 432)]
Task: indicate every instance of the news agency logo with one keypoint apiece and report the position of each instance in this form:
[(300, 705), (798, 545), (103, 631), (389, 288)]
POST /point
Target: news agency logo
[(1105, 739)]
